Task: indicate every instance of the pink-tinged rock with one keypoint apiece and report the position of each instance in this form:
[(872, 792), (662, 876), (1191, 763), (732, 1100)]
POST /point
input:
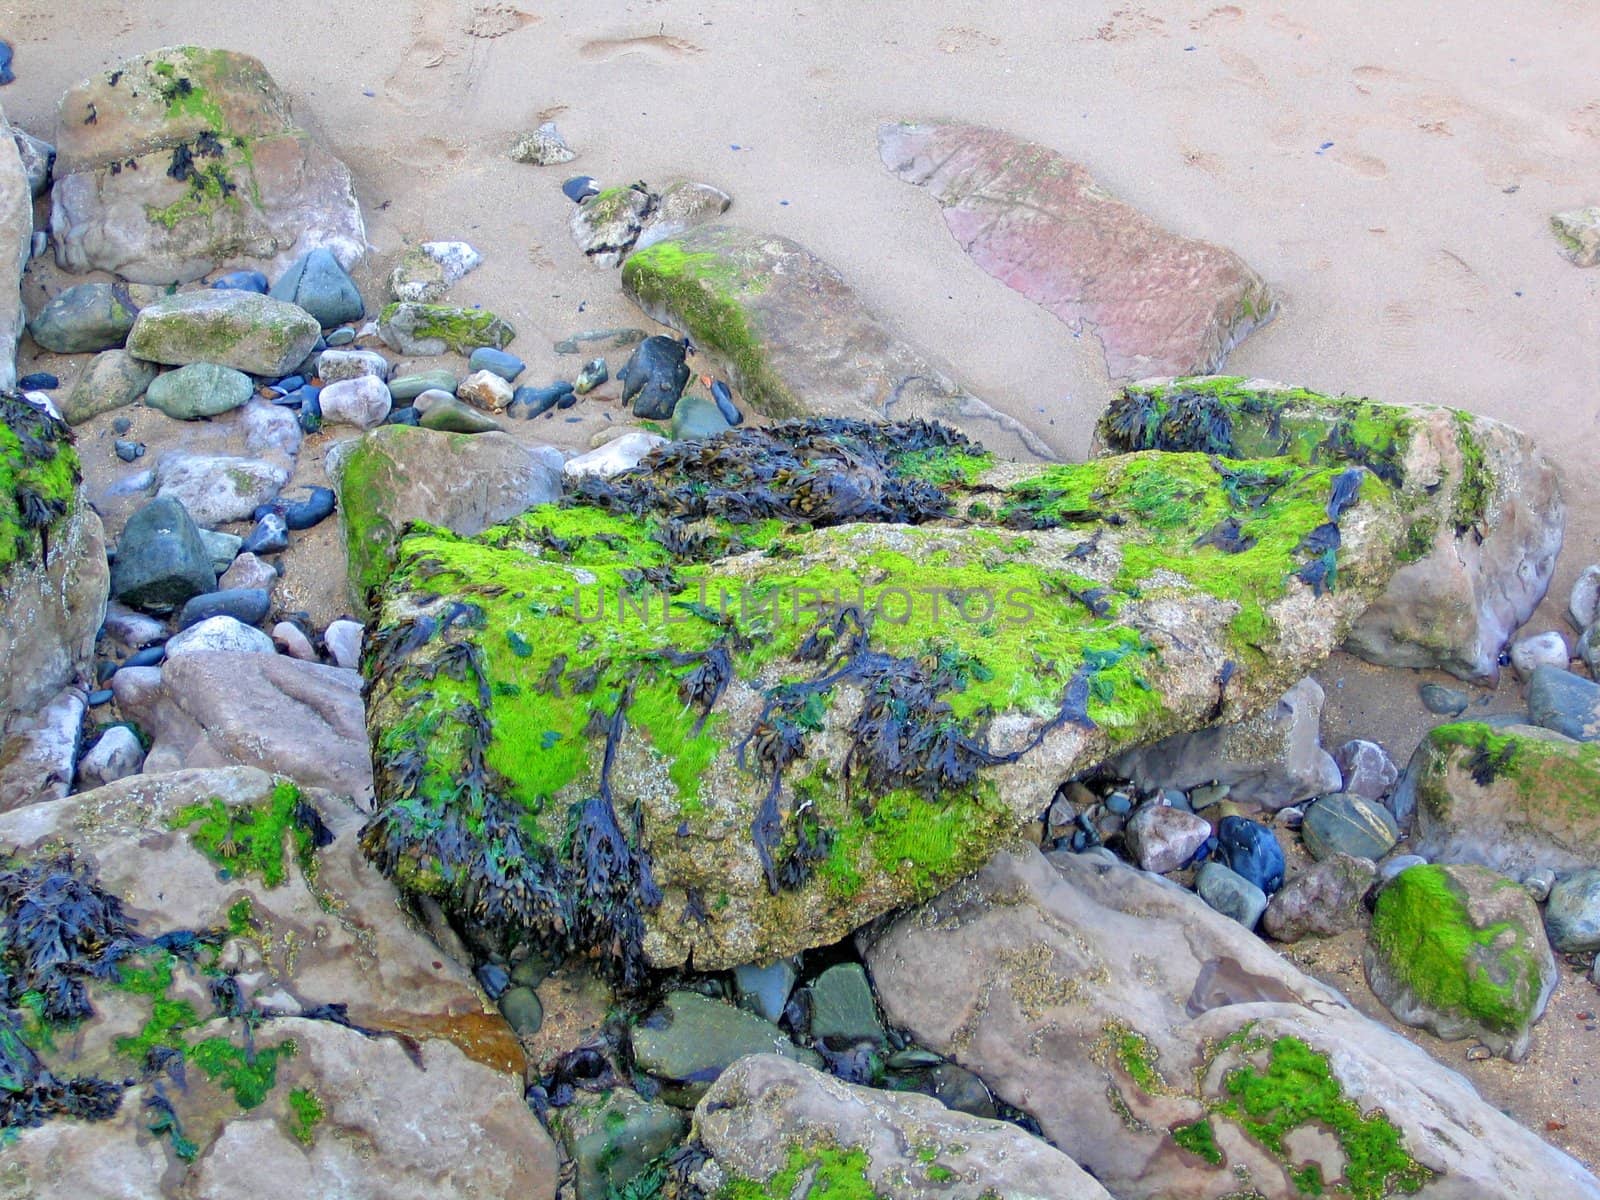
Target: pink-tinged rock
[(1160, 303)]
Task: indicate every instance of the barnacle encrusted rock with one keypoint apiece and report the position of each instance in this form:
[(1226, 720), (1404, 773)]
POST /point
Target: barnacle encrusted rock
[(1483, 505), (763, 688)]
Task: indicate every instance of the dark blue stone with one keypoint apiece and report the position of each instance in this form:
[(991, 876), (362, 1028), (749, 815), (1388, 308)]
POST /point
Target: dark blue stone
[(104, 670), (579, 188), (6, 75), (150, 656), (241, 281), (1249, 849), (498, 362), (271, 534), (313, 510), (128, 451), (39, 381), (249, 605), (290, 383), (310, 411), (567, 400), (403, 416), (725, 405), (103, 696), (654, 377), (318, 284), (534, 401), (494, 978)]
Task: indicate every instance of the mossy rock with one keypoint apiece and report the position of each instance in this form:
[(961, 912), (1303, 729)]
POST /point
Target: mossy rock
[(1461, 951), (429, 329), (1484, 511), (766, 687), (1513, 798), (38, 479)]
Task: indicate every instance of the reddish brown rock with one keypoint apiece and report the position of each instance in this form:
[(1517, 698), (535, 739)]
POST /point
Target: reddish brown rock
[(1160, 303)]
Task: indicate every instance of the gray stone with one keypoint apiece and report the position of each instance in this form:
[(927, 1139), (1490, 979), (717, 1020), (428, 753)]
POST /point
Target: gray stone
[(842, 1009), (690, 1040), (219, 633), (486, 390), (793, 313), (1367, 769), (85, 318), (1564, 702), (39, 751), (424, 330), (38, 159), (522, 1010), (1274, 760), (1578, 234), (694, 416), (1443, 701), (317, 283), (446, 414), (249, 606), (679, 209), (115, 755), (765, 990), (343, 639), (334, 366), (1538, 884), (362, 402), (1231, 894), (767, 1114), (1589, 648), (133, 629), (1345, 824), (1322, 901), (112, 379), (199, 390), (614, 1141), (1584, 600), (243, 330), (1572, 914), (217, 489), (161, 559), (16, 244), (618, 455), (223, 548), (1395, 863), (1542, 650), (291, 640), (116, 206), (544, 147), (1436, 926), (428, 271), (487, 358), (409, 387), (1163, 839)]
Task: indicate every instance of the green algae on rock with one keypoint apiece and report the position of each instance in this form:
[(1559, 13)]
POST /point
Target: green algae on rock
[(719, 709), (1462, 952), (38, 478), (1483, 505), (427, 329)]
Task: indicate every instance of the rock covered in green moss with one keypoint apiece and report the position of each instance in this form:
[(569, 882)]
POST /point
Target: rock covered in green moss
[(714, 708), (111, 379), (428, 329), (1483, 504), (1512, 798), (770, 1124), (231, 328), (797, 341), (199, 390), (180, 160), (1171, 1053), (1461, 951), (1577, 232)]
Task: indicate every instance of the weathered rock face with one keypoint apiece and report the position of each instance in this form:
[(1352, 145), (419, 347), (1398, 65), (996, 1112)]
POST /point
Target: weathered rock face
[(1273, 759), (419, 1095), (39, 749), (797, 341), (53, 574), (1160, 303), (751, 780), (1173, 1055), (769, 1121), (1513, 799), (1485, 505), (16, 239), (184, 159), (1461, 951), (210, 708), (463, 483)]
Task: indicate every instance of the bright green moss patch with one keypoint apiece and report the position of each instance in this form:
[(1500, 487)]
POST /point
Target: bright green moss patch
[(1477, 481), (305, 1114), (1137, 1057), (830, 1173), (38, 478), (1199, 1138), (460, 329), (1561, 777), (943, 466), (249, 1072), (247, 840)]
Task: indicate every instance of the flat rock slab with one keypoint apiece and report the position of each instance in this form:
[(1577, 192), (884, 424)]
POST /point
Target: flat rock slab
[(184, 159), (1160, 303), (1153, 1039), (796, 339)]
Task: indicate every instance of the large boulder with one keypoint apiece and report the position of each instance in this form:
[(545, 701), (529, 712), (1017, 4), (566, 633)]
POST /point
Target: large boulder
[(1486, 515), (1159, 303), (228, 327), (769, 1122), (1461, 951), (89, 317), (796, 339), (206, 708), (463, 483), (372, 1064), (180, 160), (1514, 798), (16, 244), (769, 718), (1172, 1054)]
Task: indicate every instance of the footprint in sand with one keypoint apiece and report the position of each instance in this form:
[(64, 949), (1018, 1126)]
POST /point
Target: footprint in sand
[(656, 45), (1397, 326), (1367, 165)]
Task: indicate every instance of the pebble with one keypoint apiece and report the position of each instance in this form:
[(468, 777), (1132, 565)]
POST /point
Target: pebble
[(579, 188), (362, 402), (242, 281), (248, 571), (316, 508), (122, 424), (1584, 601), (1572, 913), (544, 147), (1162, 839), (521, 1008), (1231, 894), (765, 990), (270, 535), (248, 606), (594, 373), (1249, 849), (403, 416), (101, 696), (220, 633), (1541, 650), (725, 405), (290, 383), (38, 381), (409, 387), (1443, 701), (343, 640), (1346, 824), (487, 358), (1564, 702), (533, 402), (486, 390), (291, 640), (614, 457), (133, 629), (128, 451), (7, 55), (494, 979), (1538, 884), (1202, 798), (311, 410), (341, 337), (1366, 768)]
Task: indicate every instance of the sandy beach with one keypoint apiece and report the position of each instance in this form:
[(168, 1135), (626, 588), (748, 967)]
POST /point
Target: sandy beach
[(1389, 169)]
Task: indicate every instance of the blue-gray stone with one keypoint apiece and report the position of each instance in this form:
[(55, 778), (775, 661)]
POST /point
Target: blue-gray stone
[(531, 402), (270, 536), (1348, 824), (85, 318), (341, 337), (1443, 701), (1567, 703), (150, 656), (1572, 914), (1250, 849), (843, 1012), (310, 409), (496, 362), (199, 390), (101, 696), (403, 416), (318, 284), (128, 451), (1231, 894), (765, 990), (241, 281), (522, 1010), (694, 418), (494, 978), (161, 559), (39, 381), (409, 387), (249, 605)]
